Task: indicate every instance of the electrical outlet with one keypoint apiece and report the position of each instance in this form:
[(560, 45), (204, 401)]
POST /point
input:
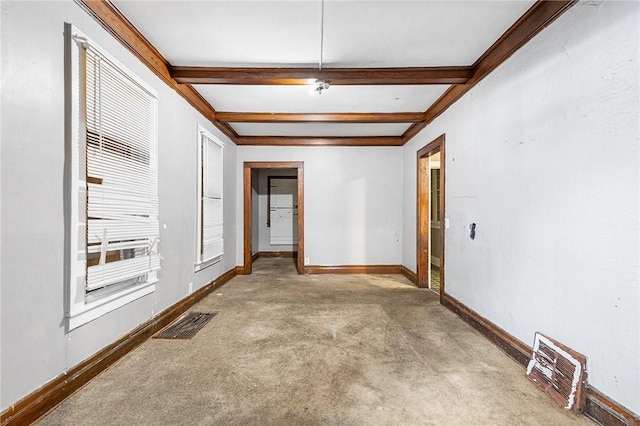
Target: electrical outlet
[(191, 287), (306, 260)]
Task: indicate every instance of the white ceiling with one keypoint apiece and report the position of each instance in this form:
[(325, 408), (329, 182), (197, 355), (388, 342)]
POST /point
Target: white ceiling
[(320, 129), (337, 99), (356, 34)]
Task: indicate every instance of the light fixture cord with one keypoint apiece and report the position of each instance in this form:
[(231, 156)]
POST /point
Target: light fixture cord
[(321, 36)]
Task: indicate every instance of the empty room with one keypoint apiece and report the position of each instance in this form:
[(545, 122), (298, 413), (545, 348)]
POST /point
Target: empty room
[(320, 212)]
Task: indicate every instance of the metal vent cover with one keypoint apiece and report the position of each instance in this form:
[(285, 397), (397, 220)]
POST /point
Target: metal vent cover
[(185, 327), (559, 371)]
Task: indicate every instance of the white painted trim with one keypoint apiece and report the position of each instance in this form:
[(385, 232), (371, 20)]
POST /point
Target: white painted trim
[(79, 311), (96, 309), (200, 263), (435, 260), (199, 266)]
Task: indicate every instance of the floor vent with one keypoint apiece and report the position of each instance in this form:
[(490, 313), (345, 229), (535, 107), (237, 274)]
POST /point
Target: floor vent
[(186, 327), (560, 372)]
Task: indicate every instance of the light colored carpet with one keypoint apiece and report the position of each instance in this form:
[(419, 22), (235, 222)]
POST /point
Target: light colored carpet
[(322, 349)]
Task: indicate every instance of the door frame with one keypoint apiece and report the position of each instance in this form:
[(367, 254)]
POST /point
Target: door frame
[(248, 166), (423, 254)]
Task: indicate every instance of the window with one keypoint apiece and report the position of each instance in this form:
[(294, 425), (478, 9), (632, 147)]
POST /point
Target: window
[(113, 176), (210, 246)]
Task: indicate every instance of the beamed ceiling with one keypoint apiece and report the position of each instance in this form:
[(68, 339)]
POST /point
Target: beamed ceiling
[(392, 66)]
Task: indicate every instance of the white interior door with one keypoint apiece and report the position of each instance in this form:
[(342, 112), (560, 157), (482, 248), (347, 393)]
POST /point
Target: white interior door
[(284, 211)]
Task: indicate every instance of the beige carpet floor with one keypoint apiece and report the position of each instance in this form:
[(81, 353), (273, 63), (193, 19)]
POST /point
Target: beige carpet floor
[(316, 350)]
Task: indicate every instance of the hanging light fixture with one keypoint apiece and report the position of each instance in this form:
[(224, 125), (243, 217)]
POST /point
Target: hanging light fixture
[(317, 86)]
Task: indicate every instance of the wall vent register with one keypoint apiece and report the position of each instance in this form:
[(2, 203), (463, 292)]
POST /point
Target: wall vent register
[(186, 327), (560, 372)]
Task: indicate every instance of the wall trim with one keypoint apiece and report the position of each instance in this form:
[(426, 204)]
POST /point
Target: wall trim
[(352, 269), (409, 274), (513, 347), (606, 411), (43, 400), (599, 407), (278, 254)]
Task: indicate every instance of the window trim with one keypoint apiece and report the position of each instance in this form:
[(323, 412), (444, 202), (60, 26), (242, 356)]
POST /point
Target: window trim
[(200, 264), (80, 309)]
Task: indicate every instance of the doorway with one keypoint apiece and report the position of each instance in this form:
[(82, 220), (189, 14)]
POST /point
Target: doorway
[(430, 216), (250, 173)]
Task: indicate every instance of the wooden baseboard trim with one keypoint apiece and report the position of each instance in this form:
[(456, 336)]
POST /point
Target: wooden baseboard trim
[(409, 274), (509, 344), (607, 412), (352, 269), (278, 254), (40, 402), (599, 407), (255, 256)]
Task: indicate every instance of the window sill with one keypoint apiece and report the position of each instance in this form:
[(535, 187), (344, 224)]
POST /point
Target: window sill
[(95, 309), (206, 263)]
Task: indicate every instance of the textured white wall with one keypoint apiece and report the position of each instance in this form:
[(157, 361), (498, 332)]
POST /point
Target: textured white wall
[(34, 346), (543, 155), (353, 202)]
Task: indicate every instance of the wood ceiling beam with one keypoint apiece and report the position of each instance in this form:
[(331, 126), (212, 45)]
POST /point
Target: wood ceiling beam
[(116, 24), (266, 117), (538, 17), (463, 79), (335, 76), (320, 141)]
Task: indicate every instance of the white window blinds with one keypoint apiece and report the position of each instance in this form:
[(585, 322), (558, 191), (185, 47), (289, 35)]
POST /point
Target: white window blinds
[(121, 172), (210, 238)]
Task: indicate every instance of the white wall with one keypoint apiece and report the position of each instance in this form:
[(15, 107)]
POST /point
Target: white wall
[(543, 156), (353, 202), (34, 345), (264, 231)]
